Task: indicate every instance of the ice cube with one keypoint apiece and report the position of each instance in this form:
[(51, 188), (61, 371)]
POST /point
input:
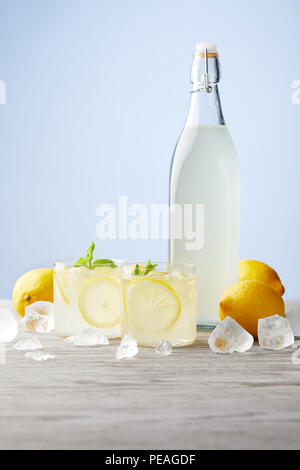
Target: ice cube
[(293, 316), (164, 348), (229, 336), (179, 276), (28, 344), (39, 317), (88, 337), (8, 326), (39, 356), (275, 332), (78, 269), (128, 348)]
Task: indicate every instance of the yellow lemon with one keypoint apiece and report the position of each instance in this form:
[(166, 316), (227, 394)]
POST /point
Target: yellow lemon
[(34, 285), (250, 269), (247, 301)]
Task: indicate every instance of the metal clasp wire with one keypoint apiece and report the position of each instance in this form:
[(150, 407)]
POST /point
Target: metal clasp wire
[(208, 87), (205, 83)]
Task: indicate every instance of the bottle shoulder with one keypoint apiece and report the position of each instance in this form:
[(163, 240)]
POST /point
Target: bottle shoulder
[(204, 142), (204, 152)]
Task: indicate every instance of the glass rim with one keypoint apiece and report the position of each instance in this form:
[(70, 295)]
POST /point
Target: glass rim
[(164, 266), (70, 261), (166, 263)]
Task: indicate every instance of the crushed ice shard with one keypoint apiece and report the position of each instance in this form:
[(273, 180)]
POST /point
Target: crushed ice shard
[(88, 337), (39, 317), (164, 348), (39, 356), (293, 316), (275, 332), (128, 348), (28, 344), (8, 326), (229, 336)]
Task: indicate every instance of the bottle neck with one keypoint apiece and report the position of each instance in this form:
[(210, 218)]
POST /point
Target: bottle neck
[(205, 108)]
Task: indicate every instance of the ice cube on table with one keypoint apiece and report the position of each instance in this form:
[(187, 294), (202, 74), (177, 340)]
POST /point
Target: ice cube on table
[(128, 348), (275, 332), (8, 326), (164, 348), (39, 317), (39, 356), (88, 337), (28, 344), (229, 336), (293, 316)]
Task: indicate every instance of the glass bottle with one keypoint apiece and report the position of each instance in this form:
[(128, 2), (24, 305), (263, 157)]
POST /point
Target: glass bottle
[(205, 191)]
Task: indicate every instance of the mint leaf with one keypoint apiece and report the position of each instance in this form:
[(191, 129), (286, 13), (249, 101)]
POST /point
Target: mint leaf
[(104, 262), (81, 262), (86, 260), (149, 267), (89, 253), (137, 270)]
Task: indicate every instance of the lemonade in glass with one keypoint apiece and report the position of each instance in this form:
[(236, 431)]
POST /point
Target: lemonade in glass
[(160, 303), (88, 294)]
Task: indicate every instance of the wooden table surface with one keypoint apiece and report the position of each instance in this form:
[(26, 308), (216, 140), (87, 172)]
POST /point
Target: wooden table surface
[(193, 399)]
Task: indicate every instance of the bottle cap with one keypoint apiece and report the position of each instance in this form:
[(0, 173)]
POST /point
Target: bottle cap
[(211, 49)]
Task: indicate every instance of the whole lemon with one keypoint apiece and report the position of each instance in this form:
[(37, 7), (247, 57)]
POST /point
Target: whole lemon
[(250, 269), (34, 285), (247, 301)]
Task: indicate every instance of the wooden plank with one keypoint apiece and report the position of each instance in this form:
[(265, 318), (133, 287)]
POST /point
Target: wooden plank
[(193, 399)]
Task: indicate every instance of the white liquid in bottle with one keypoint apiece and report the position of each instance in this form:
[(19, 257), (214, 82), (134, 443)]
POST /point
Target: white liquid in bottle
[(205, 171)]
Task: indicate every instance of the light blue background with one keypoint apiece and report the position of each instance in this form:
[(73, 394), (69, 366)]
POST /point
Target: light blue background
[(97, 94)]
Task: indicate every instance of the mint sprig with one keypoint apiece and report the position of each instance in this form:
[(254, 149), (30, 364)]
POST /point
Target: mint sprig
[(149, 267), (87, 260)]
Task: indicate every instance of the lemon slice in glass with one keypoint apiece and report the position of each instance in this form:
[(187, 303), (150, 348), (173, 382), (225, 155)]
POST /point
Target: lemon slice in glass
[(152, 304), (58, 288), (100, 302)]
